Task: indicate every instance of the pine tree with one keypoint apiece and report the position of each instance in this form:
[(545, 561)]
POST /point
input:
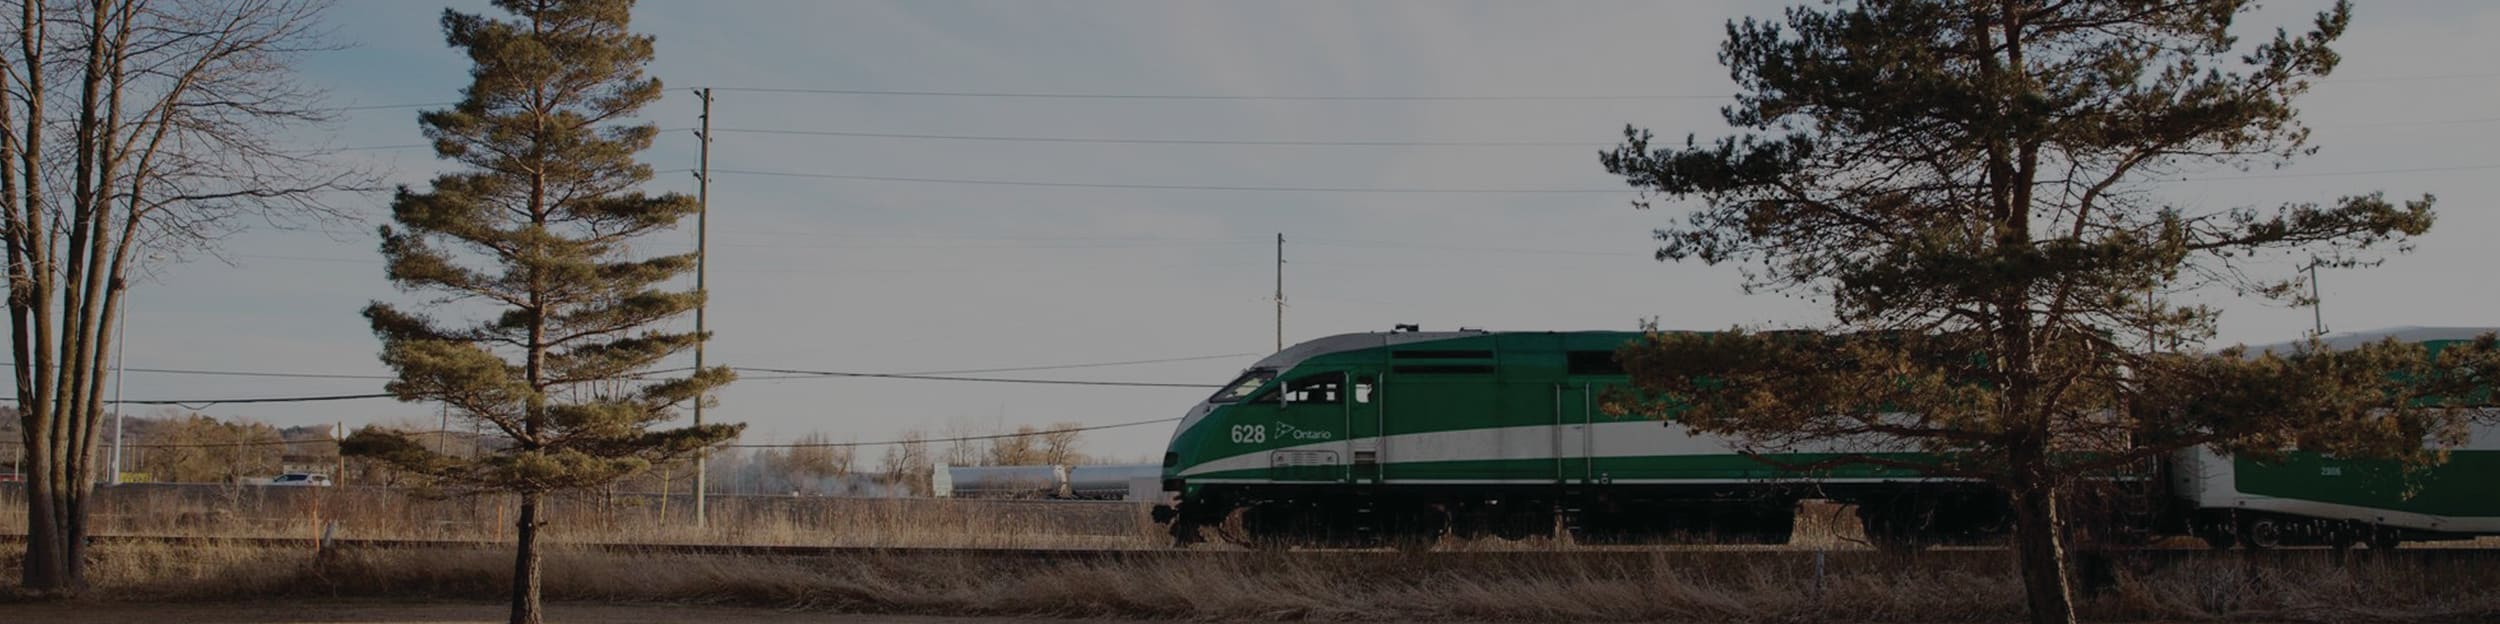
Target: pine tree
[(1970, 185), (548, 202)]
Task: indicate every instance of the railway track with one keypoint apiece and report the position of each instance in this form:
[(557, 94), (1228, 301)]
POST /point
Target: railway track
[(1616, 557)]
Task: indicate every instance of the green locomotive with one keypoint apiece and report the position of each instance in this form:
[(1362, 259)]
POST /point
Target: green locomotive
[(1396, 438)]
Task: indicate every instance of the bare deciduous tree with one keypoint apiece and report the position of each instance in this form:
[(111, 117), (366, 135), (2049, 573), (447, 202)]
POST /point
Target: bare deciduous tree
[(131, 132), (905, 465), (1020, 449), (207, 450), (961, 448), (1060, 444)]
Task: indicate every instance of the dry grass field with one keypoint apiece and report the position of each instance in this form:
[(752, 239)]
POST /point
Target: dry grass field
[(1759, 584), (1663, 586), (461, 612), (378, 513)]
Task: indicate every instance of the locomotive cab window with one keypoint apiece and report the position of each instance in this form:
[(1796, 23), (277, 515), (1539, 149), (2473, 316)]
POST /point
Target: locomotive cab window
[(1323, 388), (1249, 382)]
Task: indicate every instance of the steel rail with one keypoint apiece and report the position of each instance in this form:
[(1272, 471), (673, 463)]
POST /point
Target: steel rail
[(1608, 557)]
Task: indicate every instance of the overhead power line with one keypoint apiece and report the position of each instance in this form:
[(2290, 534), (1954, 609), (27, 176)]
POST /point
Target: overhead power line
[(995, 436), (1363, 244), (1035, 367), (803, 374), (1488, 143), (1511, 97), (1041, 367), (1427, 190), (1152, 141), (363, 148), (2329, 174), (206, 403), (236, 373), (392, 106), (1287, 142), (1222, 97), (1167, 187), (941, 375), (210, 444), (2414, 77)]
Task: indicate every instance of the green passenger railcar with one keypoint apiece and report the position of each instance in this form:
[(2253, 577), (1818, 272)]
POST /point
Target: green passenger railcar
[(2309, 499)]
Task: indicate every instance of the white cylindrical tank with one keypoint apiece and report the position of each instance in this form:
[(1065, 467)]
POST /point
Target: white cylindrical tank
[(1112, 481), (999, 481)]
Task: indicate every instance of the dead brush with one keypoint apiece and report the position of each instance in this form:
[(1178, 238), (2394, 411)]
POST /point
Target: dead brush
[(1703, 586), (207, 511)]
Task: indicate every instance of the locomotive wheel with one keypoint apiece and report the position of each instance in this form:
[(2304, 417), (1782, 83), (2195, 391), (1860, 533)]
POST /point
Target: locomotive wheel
[(2262, 533), (2344, 538), (1412, 542), (1517, 527), (2218, 538), (1417, 529), (2220, 532), (1274, 527), (1888, 528), (2386, 539)]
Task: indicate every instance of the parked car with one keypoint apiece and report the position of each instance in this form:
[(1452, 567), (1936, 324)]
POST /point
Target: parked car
[(301, 479)]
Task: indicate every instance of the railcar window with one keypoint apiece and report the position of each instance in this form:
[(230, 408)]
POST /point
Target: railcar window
[(1323, 388), (1242, 387), (1441, 354), (1593, 363)]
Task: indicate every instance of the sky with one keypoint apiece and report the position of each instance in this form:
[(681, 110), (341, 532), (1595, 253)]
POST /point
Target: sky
[(911, 275)]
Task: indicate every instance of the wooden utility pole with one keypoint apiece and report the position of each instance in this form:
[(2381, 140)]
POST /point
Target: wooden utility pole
[(121, 331), (2317, 302), (442, 432), (702, 237), (1280, 291)]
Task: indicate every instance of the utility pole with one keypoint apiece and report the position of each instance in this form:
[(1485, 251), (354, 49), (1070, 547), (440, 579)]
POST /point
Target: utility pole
[(121, 331), (702, 237), (2317, 315), (1280, 291)]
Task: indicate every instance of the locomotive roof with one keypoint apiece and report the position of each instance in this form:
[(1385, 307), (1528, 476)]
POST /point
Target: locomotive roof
[(1298, 352), (1348, 342), (2347, 340)]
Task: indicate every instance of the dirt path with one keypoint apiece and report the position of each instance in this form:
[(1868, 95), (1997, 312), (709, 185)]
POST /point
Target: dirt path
[(341, 612)]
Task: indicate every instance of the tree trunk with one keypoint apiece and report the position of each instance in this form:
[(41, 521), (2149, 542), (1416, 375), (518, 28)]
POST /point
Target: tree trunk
[(47, 568), (525, 607), (2042, 556), (56, 496)]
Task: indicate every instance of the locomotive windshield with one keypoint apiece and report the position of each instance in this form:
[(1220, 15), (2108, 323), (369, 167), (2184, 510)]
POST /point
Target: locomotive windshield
[(1241, 388)]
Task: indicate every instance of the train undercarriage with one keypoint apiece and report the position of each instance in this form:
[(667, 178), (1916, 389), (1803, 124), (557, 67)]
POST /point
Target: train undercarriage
[(2257, 530), (1417, 517), (1889, 516)]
